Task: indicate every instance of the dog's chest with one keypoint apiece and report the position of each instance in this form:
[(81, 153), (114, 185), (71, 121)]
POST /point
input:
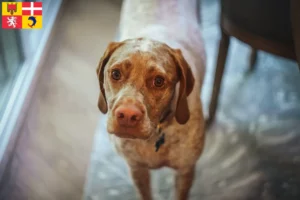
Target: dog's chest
[(144, 153), (172, 153)]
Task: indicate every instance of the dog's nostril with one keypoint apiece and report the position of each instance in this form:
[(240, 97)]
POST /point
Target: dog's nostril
[(134, 118), (121, 115)]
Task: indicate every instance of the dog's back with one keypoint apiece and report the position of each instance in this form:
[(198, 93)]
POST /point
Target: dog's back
[(173, 22), (138, 14)]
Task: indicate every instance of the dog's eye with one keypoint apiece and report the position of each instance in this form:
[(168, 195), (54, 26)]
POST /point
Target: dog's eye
[(116, 74), (159, 81)]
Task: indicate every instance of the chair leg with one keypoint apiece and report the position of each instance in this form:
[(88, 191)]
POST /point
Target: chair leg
[(221, 61), (295, 19), (253, 59), (198, 5)]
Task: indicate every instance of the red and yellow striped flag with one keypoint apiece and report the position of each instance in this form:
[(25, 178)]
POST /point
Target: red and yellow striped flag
[(22, 15)]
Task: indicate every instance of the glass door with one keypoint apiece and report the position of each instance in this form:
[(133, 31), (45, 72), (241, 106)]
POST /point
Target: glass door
[(20, 56), (18, 46), (11, 60)]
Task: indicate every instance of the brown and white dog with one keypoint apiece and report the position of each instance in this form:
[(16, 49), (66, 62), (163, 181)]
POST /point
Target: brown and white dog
[(150, 86)]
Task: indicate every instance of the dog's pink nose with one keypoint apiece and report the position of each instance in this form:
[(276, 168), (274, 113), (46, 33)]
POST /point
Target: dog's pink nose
[(128, 115)]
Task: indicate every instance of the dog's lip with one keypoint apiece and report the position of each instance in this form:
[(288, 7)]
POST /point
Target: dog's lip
[(127, 136), (126, 133)]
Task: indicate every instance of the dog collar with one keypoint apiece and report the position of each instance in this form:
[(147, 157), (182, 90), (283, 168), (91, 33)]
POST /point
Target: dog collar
[(161, 140)]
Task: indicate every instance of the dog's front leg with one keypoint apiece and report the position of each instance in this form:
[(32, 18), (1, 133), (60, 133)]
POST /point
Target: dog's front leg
[(141, 178), (184, 182)]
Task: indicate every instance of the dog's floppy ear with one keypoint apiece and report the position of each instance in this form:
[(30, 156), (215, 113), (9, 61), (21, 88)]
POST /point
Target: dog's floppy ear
[(187, 80), (102, 104)]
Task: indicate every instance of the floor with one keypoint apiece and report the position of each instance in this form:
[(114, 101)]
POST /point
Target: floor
[(252, 151), (53, 150)]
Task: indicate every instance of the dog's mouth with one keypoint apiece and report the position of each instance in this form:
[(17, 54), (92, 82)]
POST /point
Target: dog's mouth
[(129, 132)]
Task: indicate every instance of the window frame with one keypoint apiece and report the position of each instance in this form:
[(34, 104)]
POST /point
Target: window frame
[(24, 82)]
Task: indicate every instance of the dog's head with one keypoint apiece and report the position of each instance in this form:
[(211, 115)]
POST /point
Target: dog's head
[(138, 79)]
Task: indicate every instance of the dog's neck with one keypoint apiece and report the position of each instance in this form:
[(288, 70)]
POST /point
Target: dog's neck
[(165, 119)]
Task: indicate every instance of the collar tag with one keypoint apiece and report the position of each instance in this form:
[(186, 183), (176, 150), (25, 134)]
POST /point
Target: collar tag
[(159, 142), (161, 139)]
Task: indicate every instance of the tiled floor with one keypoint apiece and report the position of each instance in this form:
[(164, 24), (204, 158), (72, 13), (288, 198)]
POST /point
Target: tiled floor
[(253, 149)]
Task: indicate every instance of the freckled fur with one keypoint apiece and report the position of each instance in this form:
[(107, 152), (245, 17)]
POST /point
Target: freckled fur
[(152, 51)]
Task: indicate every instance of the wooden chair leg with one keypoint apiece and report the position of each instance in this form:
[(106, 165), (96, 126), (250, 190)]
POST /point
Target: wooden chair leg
[(295, 19), (198, 5), (221, 61), (253, 59)]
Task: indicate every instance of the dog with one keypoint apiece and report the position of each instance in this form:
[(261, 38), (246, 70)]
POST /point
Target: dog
[(150, 86)]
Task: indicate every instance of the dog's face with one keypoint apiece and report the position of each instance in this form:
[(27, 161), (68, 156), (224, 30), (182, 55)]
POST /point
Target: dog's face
[(137, 79)]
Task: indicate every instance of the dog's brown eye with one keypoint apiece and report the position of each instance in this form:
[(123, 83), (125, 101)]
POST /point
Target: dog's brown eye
[(116, 74), (159, 81)]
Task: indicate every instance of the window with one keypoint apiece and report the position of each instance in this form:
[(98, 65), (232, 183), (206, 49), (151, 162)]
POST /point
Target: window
[(20, 53), (17, 47), (11, 59)]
